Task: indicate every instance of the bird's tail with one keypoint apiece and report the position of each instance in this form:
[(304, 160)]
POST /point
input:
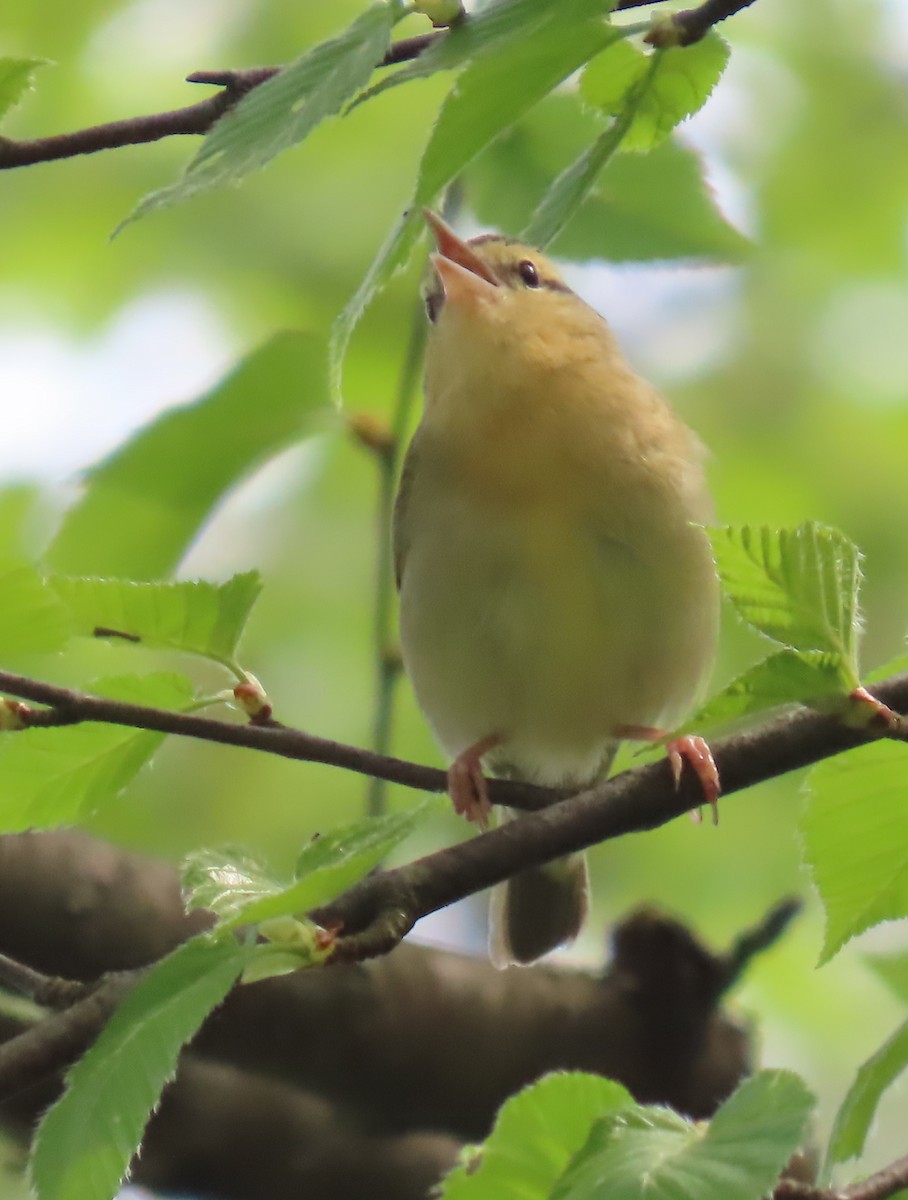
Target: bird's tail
[(537, 910)]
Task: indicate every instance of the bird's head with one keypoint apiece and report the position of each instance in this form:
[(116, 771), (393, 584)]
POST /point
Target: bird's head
[(500, 309)]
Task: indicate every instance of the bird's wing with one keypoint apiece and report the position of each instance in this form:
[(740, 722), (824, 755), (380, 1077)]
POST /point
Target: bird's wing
[(400, 539)]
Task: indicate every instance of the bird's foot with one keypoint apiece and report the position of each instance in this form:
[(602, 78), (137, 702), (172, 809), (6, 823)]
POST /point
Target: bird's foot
[(866, 712), (696, 752), (467, 784), (688, 748)]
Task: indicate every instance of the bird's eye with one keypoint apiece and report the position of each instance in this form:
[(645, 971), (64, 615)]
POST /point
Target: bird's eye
[(528, 273), (434, 301)]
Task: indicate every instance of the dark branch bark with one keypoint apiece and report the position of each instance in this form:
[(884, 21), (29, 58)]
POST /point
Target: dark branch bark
[(879, 1186)]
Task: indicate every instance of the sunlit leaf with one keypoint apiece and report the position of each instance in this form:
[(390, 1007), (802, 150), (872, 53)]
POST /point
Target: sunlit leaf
[(853, 1120), (285, 109), (786, 677), (17, 76), (241, 891), (654, 1154), (54, 777), (143, 506), (681, 81), (32, 619), (85, 1143), (797, 586), (853, 830), (197, 618), (535, 1135)]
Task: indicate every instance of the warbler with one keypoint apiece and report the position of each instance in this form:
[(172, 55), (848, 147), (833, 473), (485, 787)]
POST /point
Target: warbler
[(557, 589)]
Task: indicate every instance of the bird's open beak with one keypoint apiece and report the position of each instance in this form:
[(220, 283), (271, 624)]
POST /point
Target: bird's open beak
[(465, 278)]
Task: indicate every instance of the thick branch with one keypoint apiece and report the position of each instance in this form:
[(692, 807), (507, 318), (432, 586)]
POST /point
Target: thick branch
[(199, 118)]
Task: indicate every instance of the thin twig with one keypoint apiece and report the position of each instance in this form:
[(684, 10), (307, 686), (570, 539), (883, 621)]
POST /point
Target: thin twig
[(47, 990), (692, 24), (881, 1185)]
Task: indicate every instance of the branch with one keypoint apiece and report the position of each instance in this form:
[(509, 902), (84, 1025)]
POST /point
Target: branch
[(692, 24), (879, 1186), (379, 911), (199, 118)]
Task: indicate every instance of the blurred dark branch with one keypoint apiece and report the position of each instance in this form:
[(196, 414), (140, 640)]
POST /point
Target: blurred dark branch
[(754, 941), (690, 25), (199, 118)]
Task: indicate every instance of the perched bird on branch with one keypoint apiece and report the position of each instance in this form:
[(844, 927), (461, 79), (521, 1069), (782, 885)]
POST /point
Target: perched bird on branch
[(557, 592)]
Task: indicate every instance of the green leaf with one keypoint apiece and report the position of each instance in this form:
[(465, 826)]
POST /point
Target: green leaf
[(680, 83), (797, 586), (85, 1143), (283, 111), (32, 619), (535, 1135), (143, 506), (566, 193), (17, 76), (241, 892), (786, 677), (653, 1154), (197, 618), (518, 77), (853, 831), (625, 217), (893, 970), (54, 777), (853, 1120)]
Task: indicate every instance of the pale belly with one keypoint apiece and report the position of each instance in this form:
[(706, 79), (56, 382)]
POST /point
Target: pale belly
[(551, 635)]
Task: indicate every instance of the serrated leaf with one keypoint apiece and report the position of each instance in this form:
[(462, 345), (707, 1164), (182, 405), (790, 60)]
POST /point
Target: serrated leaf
[(518, 77), (653, 1154), (853, 1120), (85, 1143), (284, 110), (535, 1135), (797, 586), (143, 506), (787, 677), (680, 82), (32, 619), (854, 836), (242, 892), (196, 618), (17, 76), (625, 217), (54, 777)]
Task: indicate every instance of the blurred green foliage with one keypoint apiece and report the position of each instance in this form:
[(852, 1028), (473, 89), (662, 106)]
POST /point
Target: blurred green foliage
[(800, 389)]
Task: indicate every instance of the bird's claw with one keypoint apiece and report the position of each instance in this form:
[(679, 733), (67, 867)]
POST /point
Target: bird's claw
[(696, 752), (467, 785)]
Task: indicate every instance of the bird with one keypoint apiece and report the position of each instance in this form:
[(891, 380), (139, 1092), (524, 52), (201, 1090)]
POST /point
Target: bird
[(557, 589)]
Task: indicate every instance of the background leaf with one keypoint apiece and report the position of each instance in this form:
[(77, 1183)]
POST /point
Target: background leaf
[(86, 1141), (54, 777), (853, 831), (853, 1120), (653, 1154), (17, 76), (196, 618), (144, 505), (535, 1134)]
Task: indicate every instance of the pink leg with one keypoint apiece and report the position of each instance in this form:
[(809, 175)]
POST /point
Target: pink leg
[(467, 785), (866, 712), (693, 750)]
